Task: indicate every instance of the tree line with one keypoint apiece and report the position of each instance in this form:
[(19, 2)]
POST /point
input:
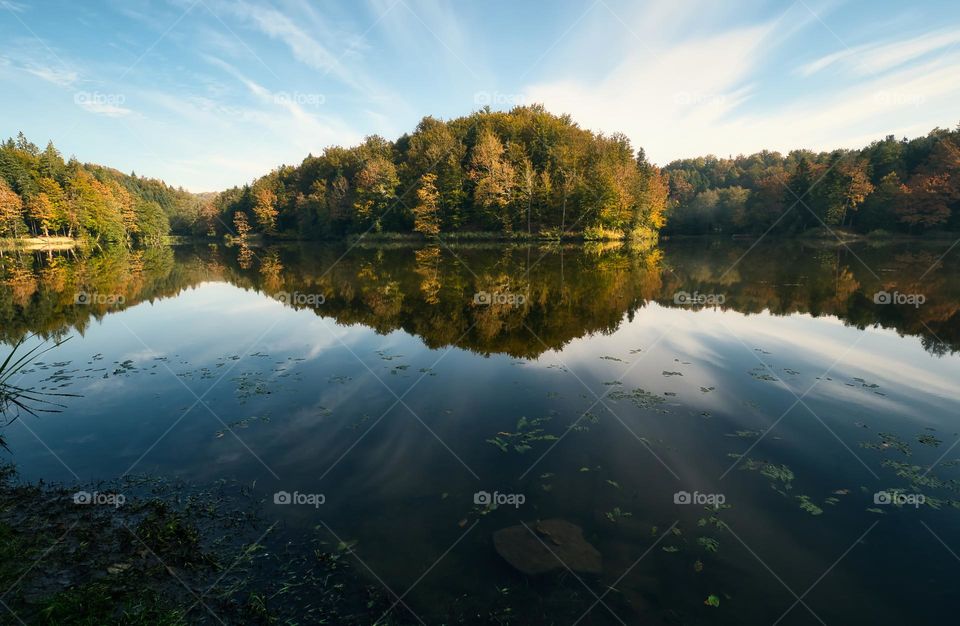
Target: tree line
[(525, 171), (892, 185), (43, 194)]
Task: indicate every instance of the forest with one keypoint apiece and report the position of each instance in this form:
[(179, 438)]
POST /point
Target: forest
[(43, 194), (525, 173), (891, 186)]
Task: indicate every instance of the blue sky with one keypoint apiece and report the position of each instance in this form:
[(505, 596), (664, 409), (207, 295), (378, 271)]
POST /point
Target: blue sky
[(212, 93)]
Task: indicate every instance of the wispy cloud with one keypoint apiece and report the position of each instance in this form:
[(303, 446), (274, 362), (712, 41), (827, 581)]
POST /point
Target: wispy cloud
[(875, 58), (64, 78), (10, 5), (713, 93)]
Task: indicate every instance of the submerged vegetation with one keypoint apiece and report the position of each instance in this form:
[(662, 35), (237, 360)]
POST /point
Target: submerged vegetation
[(172, 554)]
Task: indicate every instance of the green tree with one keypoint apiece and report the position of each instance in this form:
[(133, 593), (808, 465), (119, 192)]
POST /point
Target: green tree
[(153, 224)]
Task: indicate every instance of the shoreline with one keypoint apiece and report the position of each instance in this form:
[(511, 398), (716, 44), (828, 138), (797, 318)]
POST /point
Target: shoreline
[(466, 238), (38, 243), (138, 556)]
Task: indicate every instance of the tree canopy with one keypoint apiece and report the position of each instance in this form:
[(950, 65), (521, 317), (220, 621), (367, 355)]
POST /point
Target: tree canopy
[(896, 185), (522, 171), (43, 194), (525, 172)]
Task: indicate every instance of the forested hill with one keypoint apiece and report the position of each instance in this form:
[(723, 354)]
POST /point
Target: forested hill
[(520, 172), (893, 185), (42, 194)]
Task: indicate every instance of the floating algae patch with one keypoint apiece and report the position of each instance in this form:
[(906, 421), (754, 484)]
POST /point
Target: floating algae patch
[(888, 441), (745, 434), (806, 504), (639, 397), (617, 514), (920, 476), (242, 423), (929, 440), (528, 432), (781, 475), (708, 543), (761, 373)]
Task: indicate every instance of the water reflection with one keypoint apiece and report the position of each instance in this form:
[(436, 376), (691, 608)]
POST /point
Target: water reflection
[(400, 381), (539, 298)]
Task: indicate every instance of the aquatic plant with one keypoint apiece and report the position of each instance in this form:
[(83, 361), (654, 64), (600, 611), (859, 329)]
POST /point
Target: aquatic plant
[(15, 399)]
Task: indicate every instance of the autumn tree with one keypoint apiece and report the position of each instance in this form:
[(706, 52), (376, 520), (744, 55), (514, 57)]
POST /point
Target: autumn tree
[(11, 210), (39, 211), (933, 190), (241, 225), (493, 177), (843, 189), (433, 147), (526, 186), (264, 208), (427, 210), (376, 192)]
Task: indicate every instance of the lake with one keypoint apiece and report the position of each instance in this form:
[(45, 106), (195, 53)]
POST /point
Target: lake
[(743, 433)]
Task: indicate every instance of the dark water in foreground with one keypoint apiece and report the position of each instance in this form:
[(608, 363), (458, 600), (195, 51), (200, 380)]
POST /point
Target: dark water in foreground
[(400, 382)]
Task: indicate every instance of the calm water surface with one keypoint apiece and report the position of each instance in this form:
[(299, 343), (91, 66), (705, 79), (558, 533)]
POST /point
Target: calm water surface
[(597, 384)]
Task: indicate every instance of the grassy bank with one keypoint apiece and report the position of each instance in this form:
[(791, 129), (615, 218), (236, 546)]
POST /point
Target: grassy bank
[(38, 243)]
